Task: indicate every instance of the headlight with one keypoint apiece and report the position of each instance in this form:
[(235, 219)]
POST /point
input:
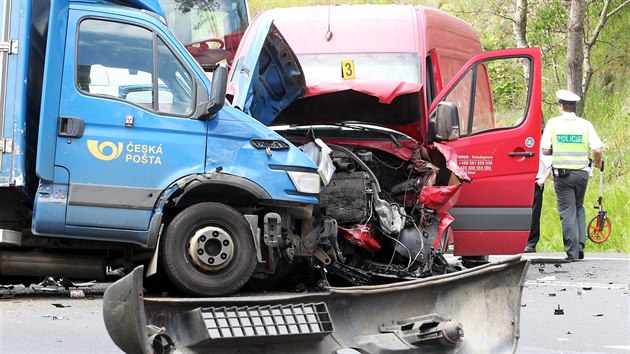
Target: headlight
[(305, 182)]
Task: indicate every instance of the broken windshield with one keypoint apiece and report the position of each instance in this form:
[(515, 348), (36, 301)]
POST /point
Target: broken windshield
[(209, 29)]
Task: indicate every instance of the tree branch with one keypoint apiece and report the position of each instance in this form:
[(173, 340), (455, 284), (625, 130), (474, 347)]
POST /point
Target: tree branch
[(602, 21), (618, 8)]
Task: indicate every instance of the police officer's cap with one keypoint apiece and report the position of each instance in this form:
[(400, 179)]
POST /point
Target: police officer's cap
[(567, 96)]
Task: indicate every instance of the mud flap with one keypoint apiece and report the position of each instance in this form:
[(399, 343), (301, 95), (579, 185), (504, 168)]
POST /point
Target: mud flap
[(474, 310)]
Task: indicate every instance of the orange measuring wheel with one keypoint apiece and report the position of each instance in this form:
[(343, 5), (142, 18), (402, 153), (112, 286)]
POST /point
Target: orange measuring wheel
[(599, 229)]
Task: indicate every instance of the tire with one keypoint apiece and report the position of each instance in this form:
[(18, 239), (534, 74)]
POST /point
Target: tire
[(474, 261), (208, 250)]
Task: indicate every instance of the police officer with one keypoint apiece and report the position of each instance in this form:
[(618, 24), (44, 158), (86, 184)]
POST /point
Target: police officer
[(568, 139)]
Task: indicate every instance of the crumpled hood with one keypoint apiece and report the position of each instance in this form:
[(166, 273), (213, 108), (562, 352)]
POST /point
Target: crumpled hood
[(385, 91)]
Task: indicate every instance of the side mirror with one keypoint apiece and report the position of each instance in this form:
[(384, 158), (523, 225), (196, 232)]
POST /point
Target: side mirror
[(219, 86), (444, 122)]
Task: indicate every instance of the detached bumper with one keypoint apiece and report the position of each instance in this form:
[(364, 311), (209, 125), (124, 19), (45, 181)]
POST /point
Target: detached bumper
[(475, 310)]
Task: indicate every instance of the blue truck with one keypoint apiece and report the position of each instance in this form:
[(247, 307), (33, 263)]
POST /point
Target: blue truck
[(92, 179)]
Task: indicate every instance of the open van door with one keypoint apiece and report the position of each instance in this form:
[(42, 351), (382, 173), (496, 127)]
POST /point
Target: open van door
[(498, 114)]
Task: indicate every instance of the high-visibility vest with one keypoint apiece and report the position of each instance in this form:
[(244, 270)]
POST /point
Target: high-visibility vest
[(570, 147)]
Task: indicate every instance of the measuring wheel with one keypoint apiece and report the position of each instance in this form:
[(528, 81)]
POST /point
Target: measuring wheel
[(599, 229)]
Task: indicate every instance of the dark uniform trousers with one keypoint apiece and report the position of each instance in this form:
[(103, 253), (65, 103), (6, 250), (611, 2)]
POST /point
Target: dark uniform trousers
[(570, 190), (534, 228)]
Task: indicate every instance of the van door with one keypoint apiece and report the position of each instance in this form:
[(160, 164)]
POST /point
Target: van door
[(124, 130), (498, 98)]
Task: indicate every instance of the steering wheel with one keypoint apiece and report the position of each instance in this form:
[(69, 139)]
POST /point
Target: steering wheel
[(202, 46)]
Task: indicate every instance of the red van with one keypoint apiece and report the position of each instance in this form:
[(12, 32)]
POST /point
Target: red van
[(419, 72)]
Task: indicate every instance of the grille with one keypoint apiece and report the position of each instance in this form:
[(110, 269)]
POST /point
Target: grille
[(270, 320)]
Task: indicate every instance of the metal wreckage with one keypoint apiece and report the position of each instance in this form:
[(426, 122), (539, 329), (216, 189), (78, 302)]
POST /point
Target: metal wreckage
[(381, 285)]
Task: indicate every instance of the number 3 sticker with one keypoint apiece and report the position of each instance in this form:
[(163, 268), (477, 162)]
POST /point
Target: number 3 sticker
[(347, 69)]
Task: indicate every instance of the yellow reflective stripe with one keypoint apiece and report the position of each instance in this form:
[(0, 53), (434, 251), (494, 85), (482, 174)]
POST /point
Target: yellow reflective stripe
[(571, 153)]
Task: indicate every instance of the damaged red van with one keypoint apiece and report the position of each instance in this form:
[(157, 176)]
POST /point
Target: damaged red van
[(411, 107)]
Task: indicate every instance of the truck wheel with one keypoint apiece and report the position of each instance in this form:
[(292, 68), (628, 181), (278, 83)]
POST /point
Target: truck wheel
[(208, 250)]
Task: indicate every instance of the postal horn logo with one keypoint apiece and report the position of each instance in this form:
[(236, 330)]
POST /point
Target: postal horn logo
[(106, 150)]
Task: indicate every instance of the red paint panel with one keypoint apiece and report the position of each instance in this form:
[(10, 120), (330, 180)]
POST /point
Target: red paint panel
[(474, 243)]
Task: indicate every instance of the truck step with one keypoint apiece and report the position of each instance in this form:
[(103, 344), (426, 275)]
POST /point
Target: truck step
[(301, 319)]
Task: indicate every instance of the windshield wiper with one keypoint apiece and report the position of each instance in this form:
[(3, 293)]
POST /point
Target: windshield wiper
[(360, 127)]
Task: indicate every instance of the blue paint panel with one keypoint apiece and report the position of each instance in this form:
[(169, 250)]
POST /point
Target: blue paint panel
[(157, 150), (13, 165), (49, 212), (108, 217), (151, 5), (47, 138), (268, 78), (229, 147)]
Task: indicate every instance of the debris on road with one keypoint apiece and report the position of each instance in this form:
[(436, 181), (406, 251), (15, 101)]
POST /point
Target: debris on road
[(60, 305), (558, 311), (77, 294)]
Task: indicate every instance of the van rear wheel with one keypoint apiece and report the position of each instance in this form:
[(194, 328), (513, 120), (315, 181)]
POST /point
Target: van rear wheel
[(208, 250)]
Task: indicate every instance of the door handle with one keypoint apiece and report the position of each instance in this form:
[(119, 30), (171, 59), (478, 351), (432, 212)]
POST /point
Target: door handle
[(71, 127), (522, 153)]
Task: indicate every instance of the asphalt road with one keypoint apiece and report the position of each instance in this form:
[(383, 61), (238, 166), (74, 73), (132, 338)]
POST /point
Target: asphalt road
[(594, 296)]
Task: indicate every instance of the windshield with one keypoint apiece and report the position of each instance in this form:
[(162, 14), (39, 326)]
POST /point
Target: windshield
[(211, 30), (362, 66)]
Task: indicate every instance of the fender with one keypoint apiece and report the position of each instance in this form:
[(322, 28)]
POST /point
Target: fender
[(220, 179), (178, 192)]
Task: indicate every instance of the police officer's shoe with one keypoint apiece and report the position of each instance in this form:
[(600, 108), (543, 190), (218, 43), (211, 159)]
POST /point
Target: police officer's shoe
[(569, 259), (581, 255), (529, 250)]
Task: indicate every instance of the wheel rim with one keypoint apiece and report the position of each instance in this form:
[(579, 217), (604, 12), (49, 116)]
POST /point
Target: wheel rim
[(599, 233), (211, 248)]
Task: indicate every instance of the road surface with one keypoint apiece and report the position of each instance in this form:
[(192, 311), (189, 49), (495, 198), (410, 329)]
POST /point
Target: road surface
[(593, 295)]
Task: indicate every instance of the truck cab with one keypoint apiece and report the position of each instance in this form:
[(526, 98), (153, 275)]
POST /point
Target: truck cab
[(93, 175)]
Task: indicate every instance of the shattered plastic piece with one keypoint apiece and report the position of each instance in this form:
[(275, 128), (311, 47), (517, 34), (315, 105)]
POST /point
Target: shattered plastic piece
[(552, 294), (598, 314), (6, 295), (361, 235), (588, 288), (60, 305), (320, 153), (77, 294), (440, 198), (558, 311), (85, 284)]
